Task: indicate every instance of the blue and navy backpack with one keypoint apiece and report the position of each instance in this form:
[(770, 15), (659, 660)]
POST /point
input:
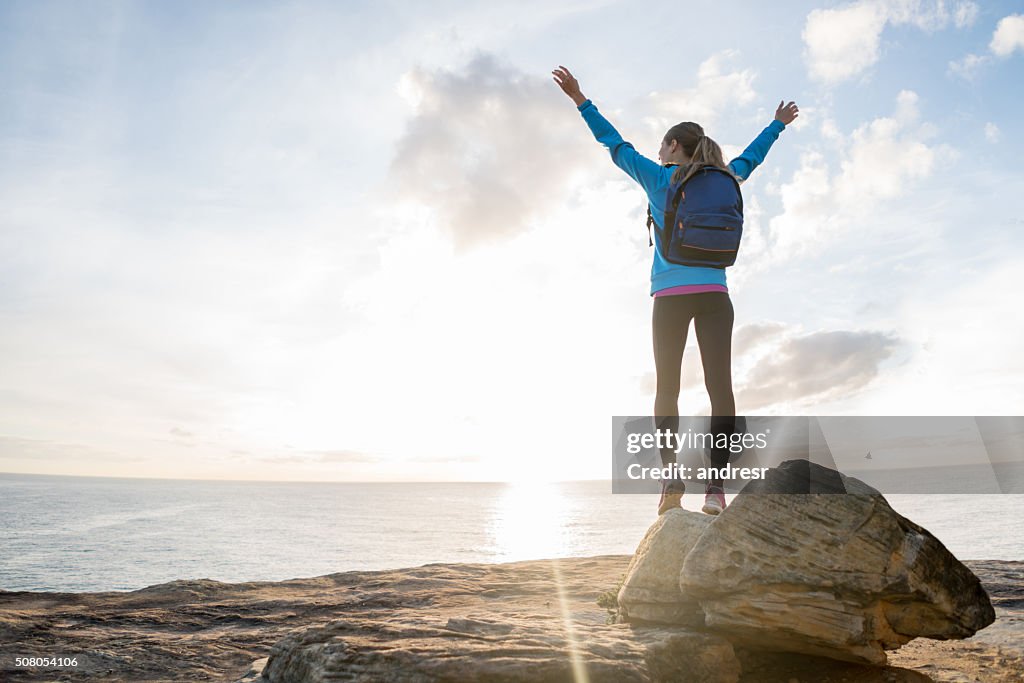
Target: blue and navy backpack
[(704, 224)]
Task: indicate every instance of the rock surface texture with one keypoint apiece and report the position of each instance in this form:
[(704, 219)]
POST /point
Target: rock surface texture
[(511, 650), (202, 630), (650, 590)]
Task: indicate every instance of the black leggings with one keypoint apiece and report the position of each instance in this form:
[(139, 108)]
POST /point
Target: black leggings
[(712, 316)]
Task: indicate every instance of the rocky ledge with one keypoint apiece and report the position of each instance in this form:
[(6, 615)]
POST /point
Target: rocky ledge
[(517, 616)]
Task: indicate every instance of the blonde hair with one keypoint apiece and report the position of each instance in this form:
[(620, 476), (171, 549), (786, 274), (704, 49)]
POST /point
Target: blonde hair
[(706, 152), (702, 150)]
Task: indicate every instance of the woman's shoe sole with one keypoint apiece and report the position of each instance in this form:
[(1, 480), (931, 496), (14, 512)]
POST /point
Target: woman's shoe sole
[(711, 509)]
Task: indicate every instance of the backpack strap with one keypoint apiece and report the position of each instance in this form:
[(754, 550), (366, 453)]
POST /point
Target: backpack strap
[(650, 217), (669, 221)]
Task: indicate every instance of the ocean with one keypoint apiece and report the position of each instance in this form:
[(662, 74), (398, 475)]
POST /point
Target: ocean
[(99, 534)]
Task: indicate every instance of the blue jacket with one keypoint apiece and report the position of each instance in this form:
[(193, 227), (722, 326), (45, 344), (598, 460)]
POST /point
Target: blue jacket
[(655, 179)]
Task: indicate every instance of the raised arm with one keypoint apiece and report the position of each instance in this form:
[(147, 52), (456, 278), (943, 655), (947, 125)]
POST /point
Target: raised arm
[(756, 151), (641, 169)]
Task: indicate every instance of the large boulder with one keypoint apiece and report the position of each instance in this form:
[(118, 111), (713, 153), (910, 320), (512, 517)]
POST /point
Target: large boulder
[(650, 590), (810, 561)]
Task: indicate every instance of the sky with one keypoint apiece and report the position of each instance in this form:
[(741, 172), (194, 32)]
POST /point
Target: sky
[(363, 241)]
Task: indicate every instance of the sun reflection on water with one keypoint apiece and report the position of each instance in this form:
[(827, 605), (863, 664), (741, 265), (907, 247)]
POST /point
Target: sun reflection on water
[(530, 522)]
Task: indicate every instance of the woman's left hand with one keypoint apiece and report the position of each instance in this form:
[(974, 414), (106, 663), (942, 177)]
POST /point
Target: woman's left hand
[(569, 85)]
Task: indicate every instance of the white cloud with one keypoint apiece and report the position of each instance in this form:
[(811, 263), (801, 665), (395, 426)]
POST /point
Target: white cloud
[(927, 15), (718, 89), (843, 42), (1008, 36), (992, 132), (965, 14), (470, 152), (880, 160), (1006, 39), (965, 347), (884, 155), (967, 67), (808, 203), (751, 335)]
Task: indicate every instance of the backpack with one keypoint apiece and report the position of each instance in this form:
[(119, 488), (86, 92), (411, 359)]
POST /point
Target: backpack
[(703, 227)]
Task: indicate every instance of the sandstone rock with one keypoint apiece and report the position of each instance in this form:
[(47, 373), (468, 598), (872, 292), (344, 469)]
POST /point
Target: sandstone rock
[(520, 651), (255, 672), (650, 590), (685, 656), (841, 575)]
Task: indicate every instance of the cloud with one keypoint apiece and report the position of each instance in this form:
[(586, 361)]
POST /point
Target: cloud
[(968, 67), (345, 456), (842, 42), (777, 366), (335, 456), (1008, 36), (1006, 39), (965, 14), (748, 336), (880, 160), (180, 226), (884, 154), (930, 15), (718, 89), (965, 343), (487, 149), (744, 339), (808, 204), (490, 148), (815, 367), (14, 449)]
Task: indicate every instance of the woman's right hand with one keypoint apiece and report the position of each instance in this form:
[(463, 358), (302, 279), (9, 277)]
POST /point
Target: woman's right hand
[(787, 113), (569, 85)]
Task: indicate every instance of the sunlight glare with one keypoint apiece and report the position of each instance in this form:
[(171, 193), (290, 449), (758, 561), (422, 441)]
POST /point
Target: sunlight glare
[(529, 522)]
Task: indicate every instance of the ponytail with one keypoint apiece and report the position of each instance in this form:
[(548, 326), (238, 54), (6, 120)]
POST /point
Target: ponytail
[(706, 152)]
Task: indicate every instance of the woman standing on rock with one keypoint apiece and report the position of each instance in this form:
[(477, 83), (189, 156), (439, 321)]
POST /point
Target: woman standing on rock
[(684, 293)]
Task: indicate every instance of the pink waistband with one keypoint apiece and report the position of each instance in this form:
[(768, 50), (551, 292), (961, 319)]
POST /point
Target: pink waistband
[(691, 289)]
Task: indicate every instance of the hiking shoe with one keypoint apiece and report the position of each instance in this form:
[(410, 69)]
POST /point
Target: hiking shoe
[(714, 501), (671, 495)]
